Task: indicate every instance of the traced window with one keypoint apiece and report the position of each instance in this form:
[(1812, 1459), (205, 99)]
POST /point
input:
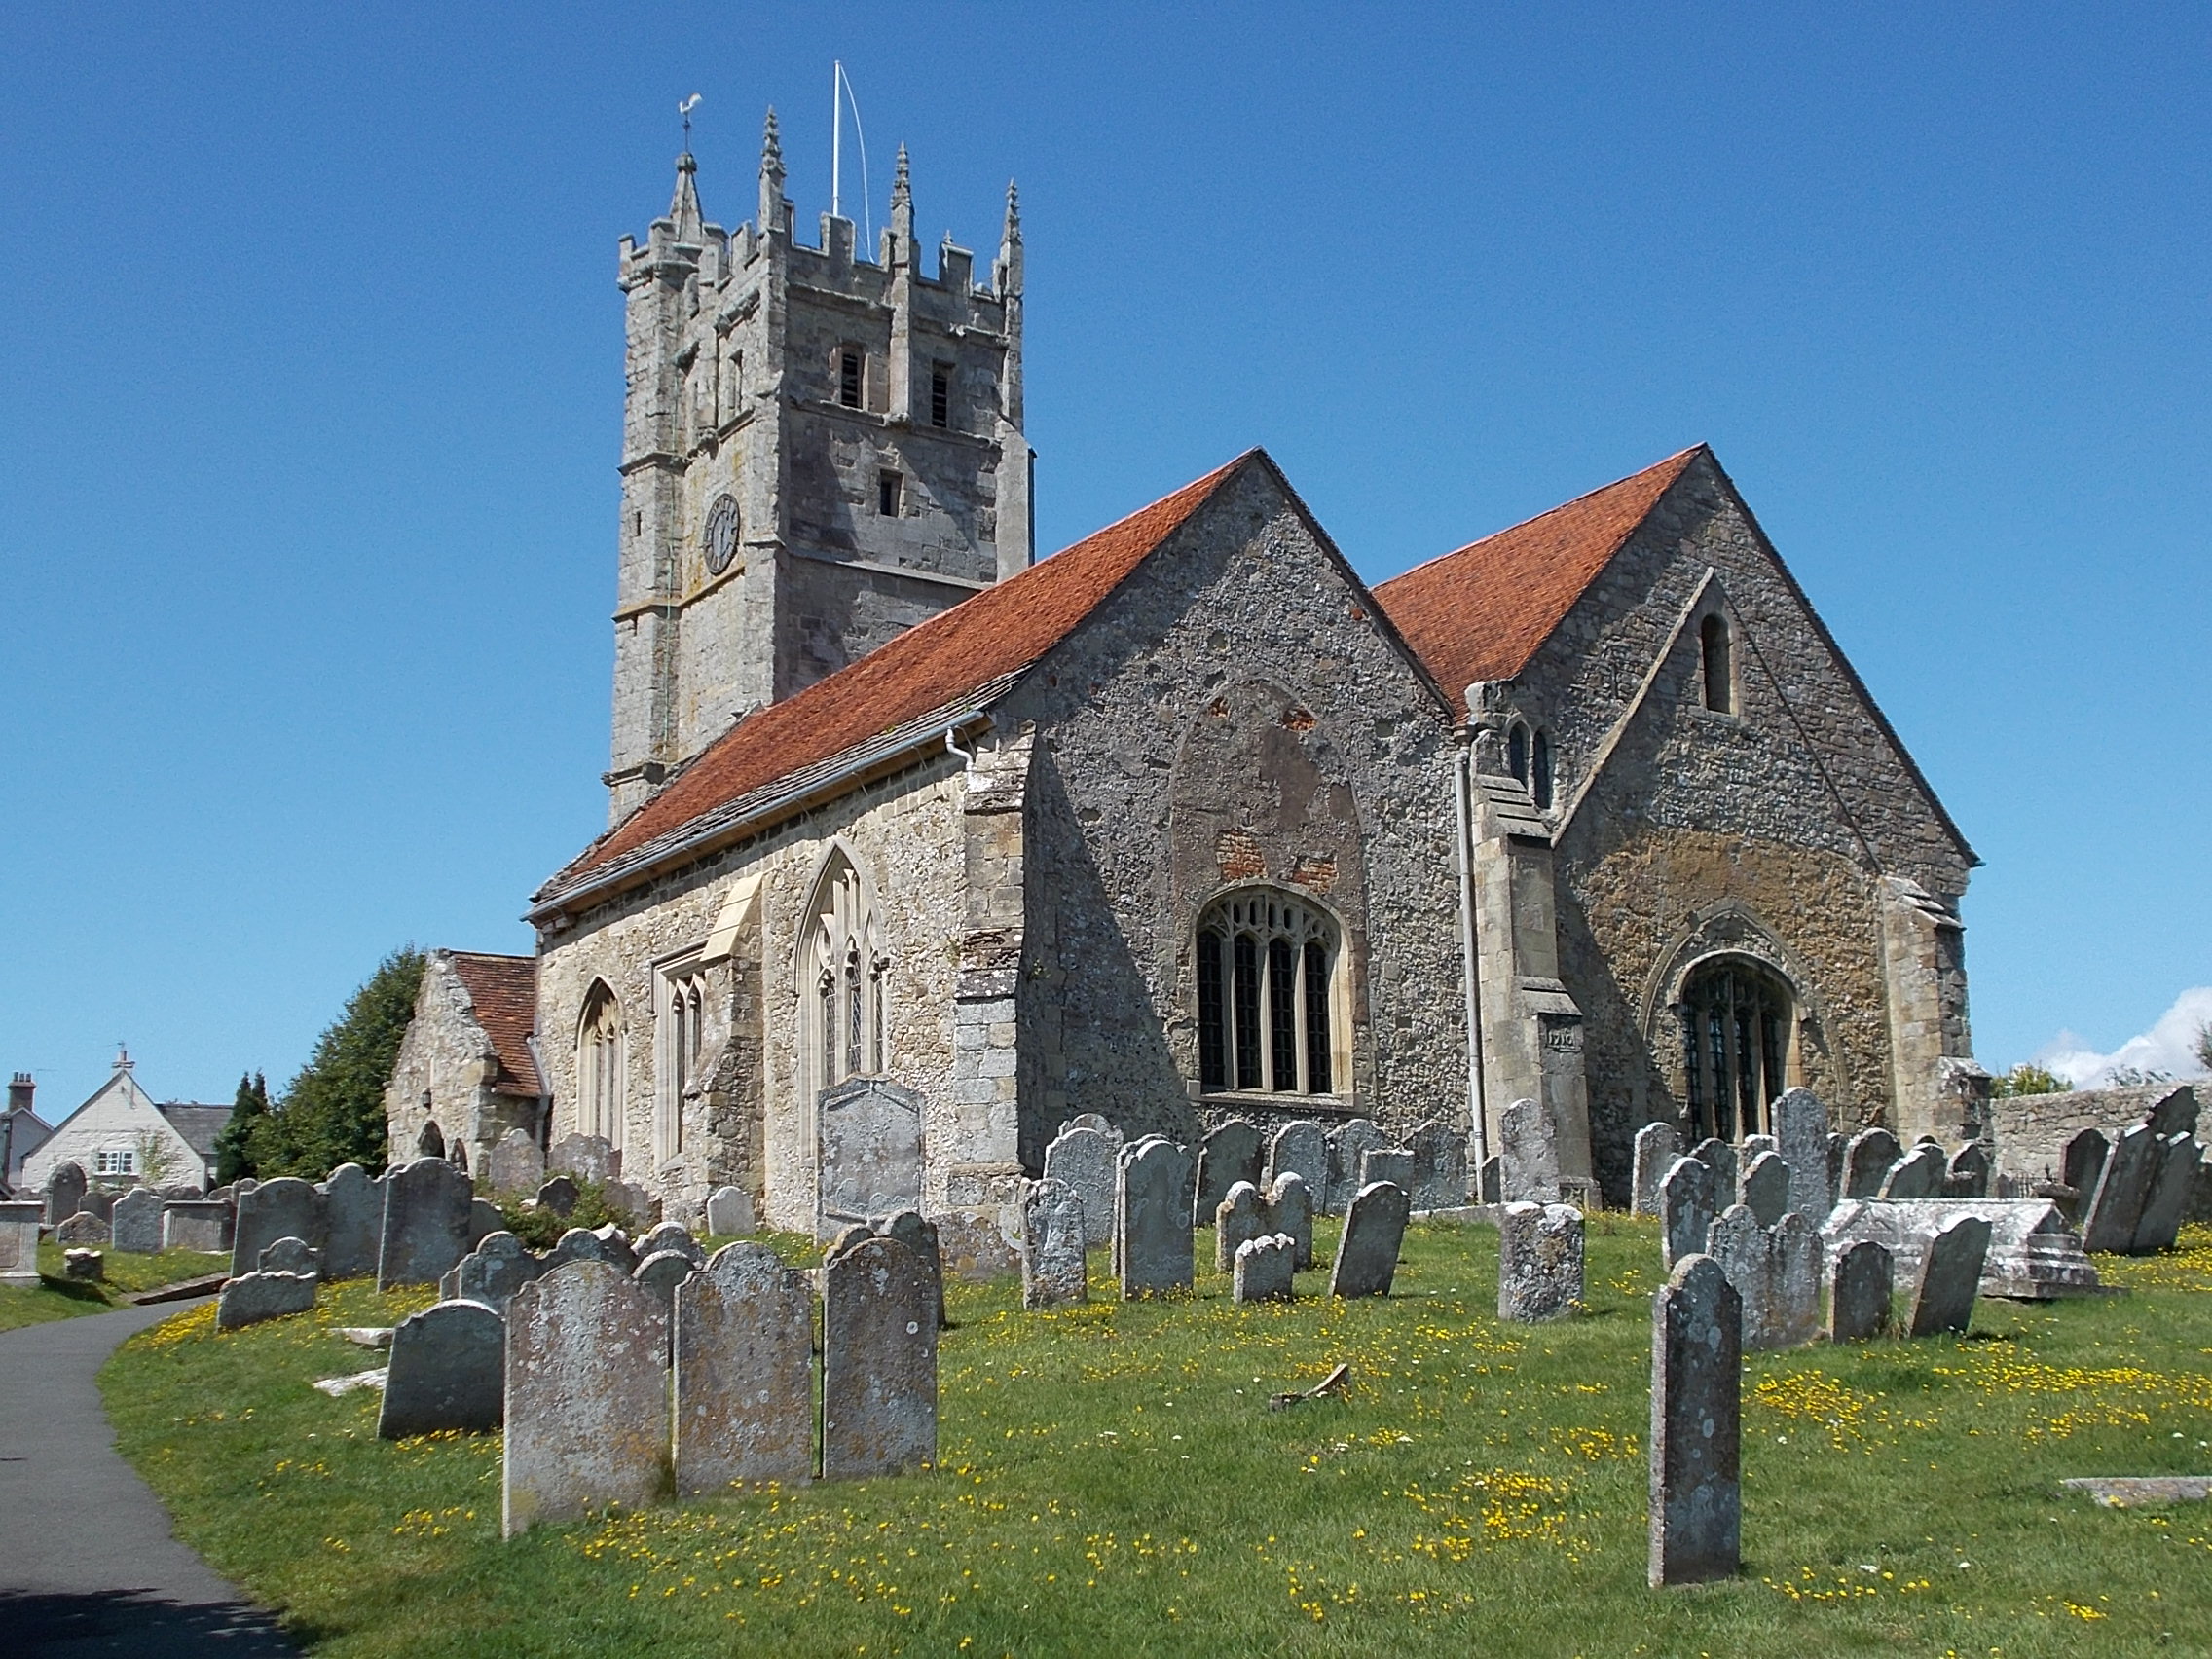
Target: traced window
[(1738, 1021), (1540, 771), (599, 1065), (890, 488), (682, 1039), (1719, 665), (1266, 999), (941, 395), (842, 982), (849, 367), (116, 1161)]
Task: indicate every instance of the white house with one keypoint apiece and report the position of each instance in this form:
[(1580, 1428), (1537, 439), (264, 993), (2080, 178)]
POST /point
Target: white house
[(121, 1136)]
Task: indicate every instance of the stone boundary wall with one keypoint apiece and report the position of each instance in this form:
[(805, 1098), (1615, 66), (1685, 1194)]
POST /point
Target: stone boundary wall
[(2031, 1130)]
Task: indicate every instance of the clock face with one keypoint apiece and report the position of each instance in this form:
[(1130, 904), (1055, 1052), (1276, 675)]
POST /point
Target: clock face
[(721, 534)]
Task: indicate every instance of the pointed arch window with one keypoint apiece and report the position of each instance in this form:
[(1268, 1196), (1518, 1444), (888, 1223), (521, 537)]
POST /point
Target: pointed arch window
[(682, 1042), (1267, 1000), (599, 1093), (843, 971), (1717, 652)]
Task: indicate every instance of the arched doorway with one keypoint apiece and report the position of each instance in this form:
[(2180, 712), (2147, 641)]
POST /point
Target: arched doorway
[(1739, 1019)]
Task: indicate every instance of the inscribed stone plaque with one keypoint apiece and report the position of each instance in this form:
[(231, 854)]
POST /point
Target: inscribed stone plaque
[(1440, 1166), (1866, 1163), (1801, 1135), (1052, 1221), (135, 1224), (448, 1371), (588, 1157), (2116, 1210), (197, 1225), (587, 1420), (1718, 1155), (491, 1273), (1531, 1156), (1766, 1188), (878, 1362), (1242, 1215), (1950, 1276), (730, 1211), (250, 1298), (872, 1152), (1539, 1262), (1918, 1174), (1696, 1443), (2166, 1201), (429, 1223), (514, 1164), (1233, 1152), (1657, 1145), (1859, 1300), (1082, 1160), (65, 1188), (1301, 1146), (1967, 1174), (1686, 1208), (1367, 1255), (19, 1241), (83, 1228), (744, 1372), (286, 1208), (1348, 1145), (1152, 1219), (1290, 1210), (1260, 1270), (352, 1211)]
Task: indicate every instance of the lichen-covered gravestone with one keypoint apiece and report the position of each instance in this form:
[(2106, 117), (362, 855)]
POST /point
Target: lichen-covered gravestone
[(1153, 1220), (1531, 1156), (1241, 1215), (135, 1224), (514, 1163), (429, 1223), (1230, 1154), (1440, 1166), (1082, 1160), (1866, 1163), (83, 1228), (97, 1201), (353, 1210), (559, 1195), (1657, 1145), (871, 1167), (65, 1188), (1349, 1143), (1052, 1219), (1260, 1270), (671, 1236), (448, 1372), (19, 1241), (1539, 1262), (920, 1236), (202, 1224), (661, 1273), (1766, 1188), (1718, 1155), (1686, 1208), (1801, 1136), (587, 1420), (1918, 1174), (1299, 1147), (588, 1157), (250, 1298), (1950, 1274), (730, 1211), (2116, 1210), (1776, 1271), (2080, 1165), (1290, 1210), (1393, 1164), (1858, 1299), (285, 1207), (1367, 1255), (1696, 1443), (491, 1273), (1967, 1174), (878, 1362), (2165, 1203), (291, 1256), (744, 1372)]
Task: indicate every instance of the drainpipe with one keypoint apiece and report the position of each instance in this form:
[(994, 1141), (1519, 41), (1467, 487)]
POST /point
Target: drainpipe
[(1462, 798)]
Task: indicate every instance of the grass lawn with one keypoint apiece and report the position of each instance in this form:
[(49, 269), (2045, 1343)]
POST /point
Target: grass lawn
[(59, 1298), (1112, 1483)]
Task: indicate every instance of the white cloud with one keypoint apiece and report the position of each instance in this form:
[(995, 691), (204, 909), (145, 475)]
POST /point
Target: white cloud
[(2169, 1046)]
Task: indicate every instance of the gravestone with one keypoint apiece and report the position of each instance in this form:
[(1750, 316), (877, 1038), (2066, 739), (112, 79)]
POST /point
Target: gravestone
[(1858, 1299), (909, 1227), (744, 1372), (2174, 1113), (1490, 1181), (1801, 1136), (1657, 1145), (1227, 1155), (2165, 1203), (353, 1223), (1348, 1144), (1867, 1161), (197, 1225), (19, 1241), (587, 1158), (1696, 1443), (1750, 1146), (514, 1164), (2080, 1165), (872, 1152), (661, 1273), (587, 1417), (1153, 1220), (485, 1217), (1539, 1262), (89, 1265), (1367, 1255), (1950, 1276), (1302, 1147), (1440, 1166), (1967, 1174), (83, 1228), (65, 1188), (291, 1256), (2116, 1209), (560, 1194), (1776, 1271), (979, 1245), (448, 1371), (135, 1224), (491, 1273), (429, 1223), (729, 1212), (607, 1244), (2033, 1254), (638, 1208), (250, 1298), (1687, 1204), (1531, 1157), (1240, 1216), (1718, 1155), (1089, 1120), (1053, 1222), (1393, 1164), (1082, 1160), (1290, 1210), (1260, 1270), (285, 1207), (99, 1201), (1766, 1188), (1839, 1151), (671, 1236), (878, 1362), (1918, 1174)]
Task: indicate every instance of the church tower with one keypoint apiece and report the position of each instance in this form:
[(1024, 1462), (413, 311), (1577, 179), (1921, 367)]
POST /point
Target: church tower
[(818, 450)]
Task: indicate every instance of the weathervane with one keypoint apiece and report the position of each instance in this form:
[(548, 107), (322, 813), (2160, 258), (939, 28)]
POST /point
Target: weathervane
[(685, 110)]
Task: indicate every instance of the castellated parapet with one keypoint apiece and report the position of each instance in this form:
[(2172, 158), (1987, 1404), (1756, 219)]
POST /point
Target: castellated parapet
[(818, 450)]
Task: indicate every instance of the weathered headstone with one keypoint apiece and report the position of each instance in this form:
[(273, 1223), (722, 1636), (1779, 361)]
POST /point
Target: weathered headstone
[(1052, 1223), (1153, 1220), (250, 1298), (197, 1225), (1801, 1136), (1718, 1155), (2116, 1210), (448, 1371), (99, 1201), (135, 1224), (485, 1217), (1750, 1146), (1082, 1160), (1367, 1255), (1290, 1210), (1532, 1155), (1490, 1181), (587, 1158), (2033, 1254), (491, 1273), (1348, 1144), (587, 1416), (1867, 1161), (910, 1228), (872, 1152), (1687, 1204), (290, 1256), (1230, 1154), (83, 1228), (1696, 1444), (979, 1245), (878, 1362), (429, 1223), (514, 1164), (352, 1214), (285, 1207), (603, 1244), (2166, 1201), (1859, 1300), (90, 1265), (1440, 1166), (65, 1186), (1950, 1276), (730, 1211), (1657, 1145), (1260, 1270), (559, 1195), (1241, 1215), (1839, 1153), (19, 1241), (1918, 1174), (1300, 1146), (1966, 1175), (661, 1273), (1766, 1188), (1539, 1262), (671, 1236), (2080, 1165), (1776, 1271), (1393, 1164), (2173, 1113), (1089, 1120), (744, 1372)]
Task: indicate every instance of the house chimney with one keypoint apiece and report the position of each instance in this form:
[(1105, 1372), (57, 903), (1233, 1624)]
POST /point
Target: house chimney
[(20, 1091)]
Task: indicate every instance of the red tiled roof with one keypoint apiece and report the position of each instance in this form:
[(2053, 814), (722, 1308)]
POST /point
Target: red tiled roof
[(1479, 614), (503, 990), (999, 631)]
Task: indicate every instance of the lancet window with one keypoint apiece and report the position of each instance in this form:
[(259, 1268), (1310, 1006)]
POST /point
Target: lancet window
[(600, 1093)]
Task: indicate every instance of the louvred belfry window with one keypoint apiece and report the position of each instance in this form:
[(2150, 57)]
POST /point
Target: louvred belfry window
[(1267, 1001)]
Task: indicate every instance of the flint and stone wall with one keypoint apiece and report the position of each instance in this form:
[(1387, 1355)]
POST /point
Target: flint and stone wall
[(2031, 1130)]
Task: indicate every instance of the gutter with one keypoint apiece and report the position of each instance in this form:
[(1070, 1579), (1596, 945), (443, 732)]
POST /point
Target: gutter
[(1463, 788)]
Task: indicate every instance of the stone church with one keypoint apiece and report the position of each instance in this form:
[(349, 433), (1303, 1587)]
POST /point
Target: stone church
[(918, 846)]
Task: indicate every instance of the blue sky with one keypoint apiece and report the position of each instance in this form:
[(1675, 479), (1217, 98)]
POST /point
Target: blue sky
[(312, 358)]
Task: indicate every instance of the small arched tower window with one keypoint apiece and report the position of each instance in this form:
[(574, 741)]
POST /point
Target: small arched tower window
[(1267, 996), (599, 1094), (1517, 751), (841, 977), (1540, 771), (1719, 665)]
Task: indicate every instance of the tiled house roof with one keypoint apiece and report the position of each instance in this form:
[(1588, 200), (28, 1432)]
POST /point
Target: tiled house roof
[(503, 990)]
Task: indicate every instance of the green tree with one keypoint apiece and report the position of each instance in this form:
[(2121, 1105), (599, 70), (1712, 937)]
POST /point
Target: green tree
[(333, 1112), (2028, 1078), (233, 1142)]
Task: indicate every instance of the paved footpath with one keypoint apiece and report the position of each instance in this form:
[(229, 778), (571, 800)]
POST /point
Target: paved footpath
[(87, 1562)]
